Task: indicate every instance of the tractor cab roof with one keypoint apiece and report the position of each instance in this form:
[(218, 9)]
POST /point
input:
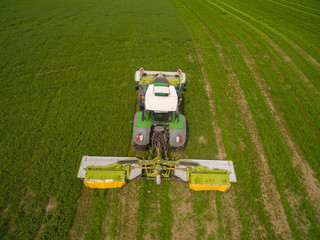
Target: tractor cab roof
[(161, 98)]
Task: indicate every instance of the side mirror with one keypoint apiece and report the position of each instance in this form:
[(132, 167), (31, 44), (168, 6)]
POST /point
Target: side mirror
[(136, 87), (184, 89)]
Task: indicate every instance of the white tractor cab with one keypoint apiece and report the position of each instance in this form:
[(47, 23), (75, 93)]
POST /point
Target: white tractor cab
[(160, 98)]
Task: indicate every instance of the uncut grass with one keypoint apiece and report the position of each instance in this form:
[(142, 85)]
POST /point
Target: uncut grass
[(294, 184), (58, 91)]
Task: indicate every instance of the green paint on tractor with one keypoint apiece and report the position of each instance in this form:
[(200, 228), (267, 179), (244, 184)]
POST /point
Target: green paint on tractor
[(147, 124)]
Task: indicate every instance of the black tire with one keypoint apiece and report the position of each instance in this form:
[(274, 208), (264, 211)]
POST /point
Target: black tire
[(177, 149), (189, 163), (138, 147), (128, 161)]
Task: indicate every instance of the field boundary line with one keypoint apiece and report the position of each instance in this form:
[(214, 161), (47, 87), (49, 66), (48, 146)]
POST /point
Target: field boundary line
[(230, 199), (308, 180), (276, 47), (292, 43), (270, 195)]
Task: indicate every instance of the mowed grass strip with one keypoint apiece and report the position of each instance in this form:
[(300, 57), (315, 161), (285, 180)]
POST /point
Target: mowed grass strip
[(236, 139), (296, 119), (155, 214), (225, 210), (311, 61), (83, 215), (312, 229)]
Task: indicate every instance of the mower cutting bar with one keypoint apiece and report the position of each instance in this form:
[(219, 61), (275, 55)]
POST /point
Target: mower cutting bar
[(113, 172), (174, 75), (211, 164), (217, 164), (91, 161)]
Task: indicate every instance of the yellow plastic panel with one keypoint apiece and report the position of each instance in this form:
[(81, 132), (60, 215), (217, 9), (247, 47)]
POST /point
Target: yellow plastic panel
[(94, 184), (205, 187)]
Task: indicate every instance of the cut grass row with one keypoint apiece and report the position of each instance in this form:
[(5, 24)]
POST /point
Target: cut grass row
[(303, 96), (262, 116), (291, 95)]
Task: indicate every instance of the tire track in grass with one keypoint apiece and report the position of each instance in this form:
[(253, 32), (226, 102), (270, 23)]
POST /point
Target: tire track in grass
[(231, 216), (110, 223), (275, 46), (100, 206), (83, 214), (128, 207), (228, 197), (154, 216), (183, 215), (307, 179), (284, 37), (270, 195)]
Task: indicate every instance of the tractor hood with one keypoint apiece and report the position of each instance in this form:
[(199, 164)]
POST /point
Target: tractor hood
[(162, 99)]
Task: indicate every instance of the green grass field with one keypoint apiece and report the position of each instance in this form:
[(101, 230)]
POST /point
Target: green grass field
[(67, 90)]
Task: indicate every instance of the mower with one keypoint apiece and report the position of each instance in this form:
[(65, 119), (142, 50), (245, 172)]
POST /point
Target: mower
[(160, 127)]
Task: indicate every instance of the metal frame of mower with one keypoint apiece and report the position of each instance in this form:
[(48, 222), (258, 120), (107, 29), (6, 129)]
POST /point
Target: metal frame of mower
[(114, 172)]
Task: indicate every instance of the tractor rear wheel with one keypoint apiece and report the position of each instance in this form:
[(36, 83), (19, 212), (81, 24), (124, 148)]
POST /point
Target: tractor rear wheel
[(138, 147), (177, 149)]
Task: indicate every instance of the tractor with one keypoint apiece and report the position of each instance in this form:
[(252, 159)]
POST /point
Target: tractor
[(161, 127), (160, 121)]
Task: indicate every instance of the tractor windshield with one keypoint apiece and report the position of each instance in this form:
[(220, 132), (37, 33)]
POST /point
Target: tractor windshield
[(160, 117)]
